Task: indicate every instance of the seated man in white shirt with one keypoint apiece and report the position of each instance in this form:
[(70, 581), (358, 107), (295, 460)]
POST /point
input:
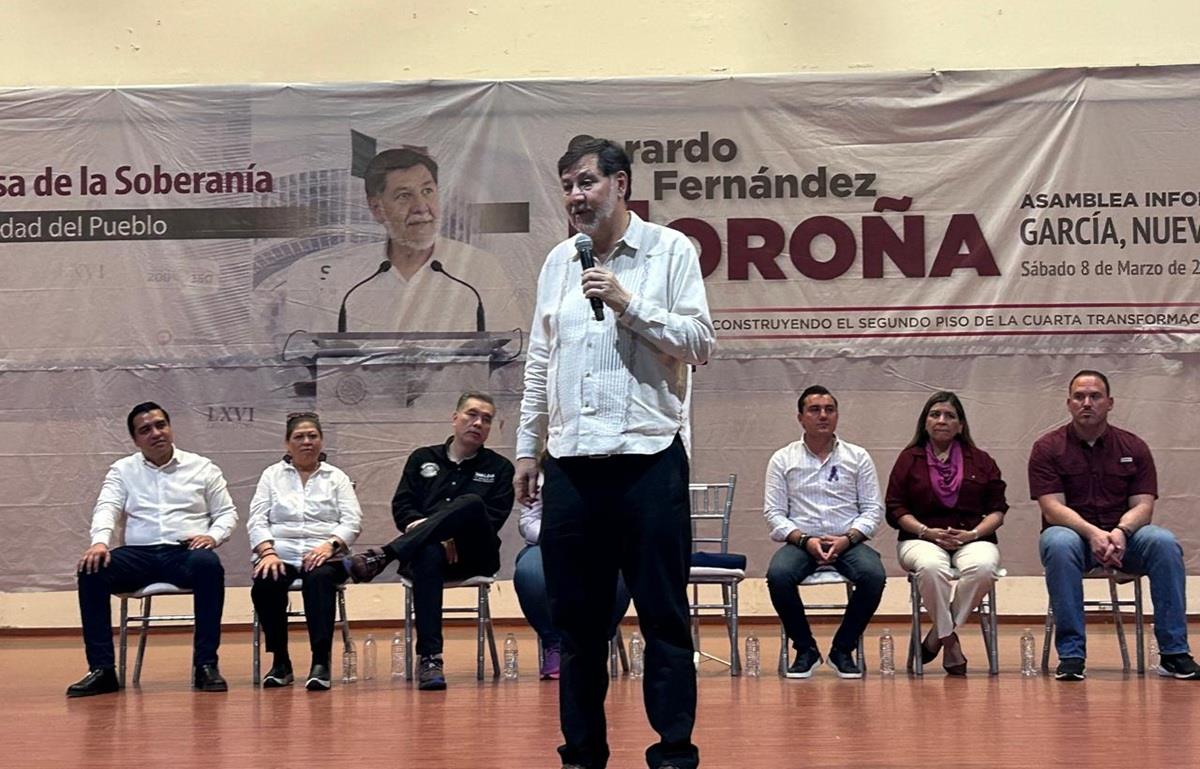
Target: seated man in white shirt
[(822, 500), (177, 510)]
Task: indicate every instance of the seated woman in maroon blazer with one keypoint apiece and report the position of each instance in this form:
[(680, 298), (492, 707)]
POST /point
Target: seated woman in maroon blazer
[(946, 497)]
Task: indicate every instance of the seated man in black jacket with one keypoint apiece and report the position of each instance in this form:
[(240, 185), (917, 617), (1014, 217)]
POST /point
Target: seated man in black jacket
[(449, 507)]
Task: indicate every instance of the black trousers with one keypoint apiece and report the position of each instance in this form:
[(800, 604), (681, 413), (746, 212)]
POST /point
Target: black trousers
[(135, 566), (423, 560), (628, 514), (319, 588)]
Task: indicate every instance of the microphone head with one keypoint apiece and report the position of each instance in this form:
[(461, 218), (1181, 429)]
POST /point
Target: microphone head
[(436, 266), (384, 266), (582, 242)]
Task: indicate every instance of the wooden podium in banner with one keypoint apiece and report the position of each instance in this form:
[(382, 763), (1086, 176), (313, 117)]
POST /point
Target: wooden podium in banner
[(409, 377)]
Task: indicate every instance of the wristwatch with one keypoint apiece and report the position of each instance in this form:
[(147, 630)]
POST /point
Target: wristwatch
[(803, 541)]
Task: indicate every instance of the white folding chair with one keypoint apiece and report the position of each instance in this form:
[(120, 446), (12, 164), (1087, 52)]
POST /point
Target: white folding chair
[(483, 620), (1114, 605), (256, 631), (987, 625), (145, 618), (712, 505), (824, 575)]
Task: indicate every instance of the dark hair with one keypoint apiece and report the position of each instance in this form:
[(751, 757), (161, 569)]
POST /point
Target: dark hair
[(297, 417), (610, 157), (144, 408), (813, 390), (1091, 372), (375, 177), (474, 395), (921, 436)]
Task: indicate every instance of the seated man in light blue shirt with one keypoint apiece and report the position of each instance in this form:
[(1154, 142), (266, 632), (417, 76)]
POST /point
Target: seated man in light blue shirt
[(822, 501), (177, 510)]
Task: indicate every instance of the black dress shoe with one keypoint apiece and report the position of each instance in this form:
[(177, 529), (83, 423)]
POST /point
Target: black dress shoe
[(207, 678), (318, 678), (279, 675), (98, 681), (365, 567)]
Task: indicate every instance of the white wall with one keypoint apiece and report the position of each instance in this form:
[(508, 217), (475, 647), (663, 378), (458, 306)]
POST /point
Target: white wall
[(127, 42)]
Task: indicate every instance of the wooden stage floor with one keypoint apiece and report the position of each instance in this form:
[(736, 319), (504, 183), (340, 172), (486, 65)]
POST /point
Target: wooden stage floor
[(1111, 719)]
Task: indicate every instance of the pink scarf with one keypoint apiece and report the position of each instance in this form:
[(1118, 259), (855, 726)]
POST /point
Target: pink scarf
[(945, 477)]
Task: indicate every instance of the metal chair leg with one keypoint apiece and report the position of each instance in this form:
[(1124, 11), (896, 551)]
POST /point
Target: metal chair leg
[(408, 633), (916, 665), (782, 651), (731, 600), (255, 641), (485, 620), (1117, 618), (345, 620), (1139, 626), (480, 609), (993, 644), (141, 652), (124, 641), (861, 650), (616, 654), (1049, 639)]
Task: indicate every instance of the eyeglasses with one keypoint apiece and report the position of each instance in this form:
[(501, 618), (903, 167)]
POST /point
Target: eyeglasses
[(302, 415)]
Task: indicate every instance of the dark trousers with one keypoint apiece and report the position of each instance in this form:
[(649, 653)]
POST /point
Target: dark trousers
[(423, 560), (626, 513), (319, 589), (135, 566), (791, 565)]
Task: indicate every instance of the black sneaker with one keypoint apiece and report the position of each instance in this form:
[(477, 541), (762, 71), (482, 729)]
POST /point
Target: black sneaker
[(806, 662), (98, 681), (318, 678), (430, 677), (1070, 669), (279, 675), (843, 664), (365, 567), (1178, 666)]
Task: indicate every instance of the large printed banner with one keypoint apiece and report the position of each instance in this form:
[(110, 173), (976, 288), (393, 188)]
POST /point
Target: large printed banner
[(222, 250)]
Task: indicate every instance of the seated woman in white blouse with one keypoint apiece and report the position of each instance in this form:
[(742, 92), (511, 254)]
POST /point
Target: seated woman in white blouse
[(304, 513)]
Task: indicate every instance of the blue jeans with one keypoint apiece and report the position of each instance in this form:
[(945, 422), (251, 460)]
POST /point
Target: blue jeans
[(529, 580), (1152, 551)]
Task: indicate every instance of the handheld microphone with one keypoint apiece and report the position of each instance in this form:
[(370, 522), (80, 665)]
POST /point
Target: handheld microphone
[(480, 325), (383, 267), (587, 260)]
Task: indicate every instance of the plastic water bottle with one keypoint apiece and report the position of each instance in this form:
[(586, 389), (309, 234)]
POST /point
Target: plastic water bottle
[(370, 658), (887, 653), (1154, 653), (637, 655), (753, 664), (349, 663), (1028, 653), (397, 656), (511, 671)]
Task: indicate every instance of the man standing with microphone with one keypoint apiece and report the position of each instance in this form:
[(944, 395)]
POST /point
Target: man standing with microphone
[(605, 380)]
